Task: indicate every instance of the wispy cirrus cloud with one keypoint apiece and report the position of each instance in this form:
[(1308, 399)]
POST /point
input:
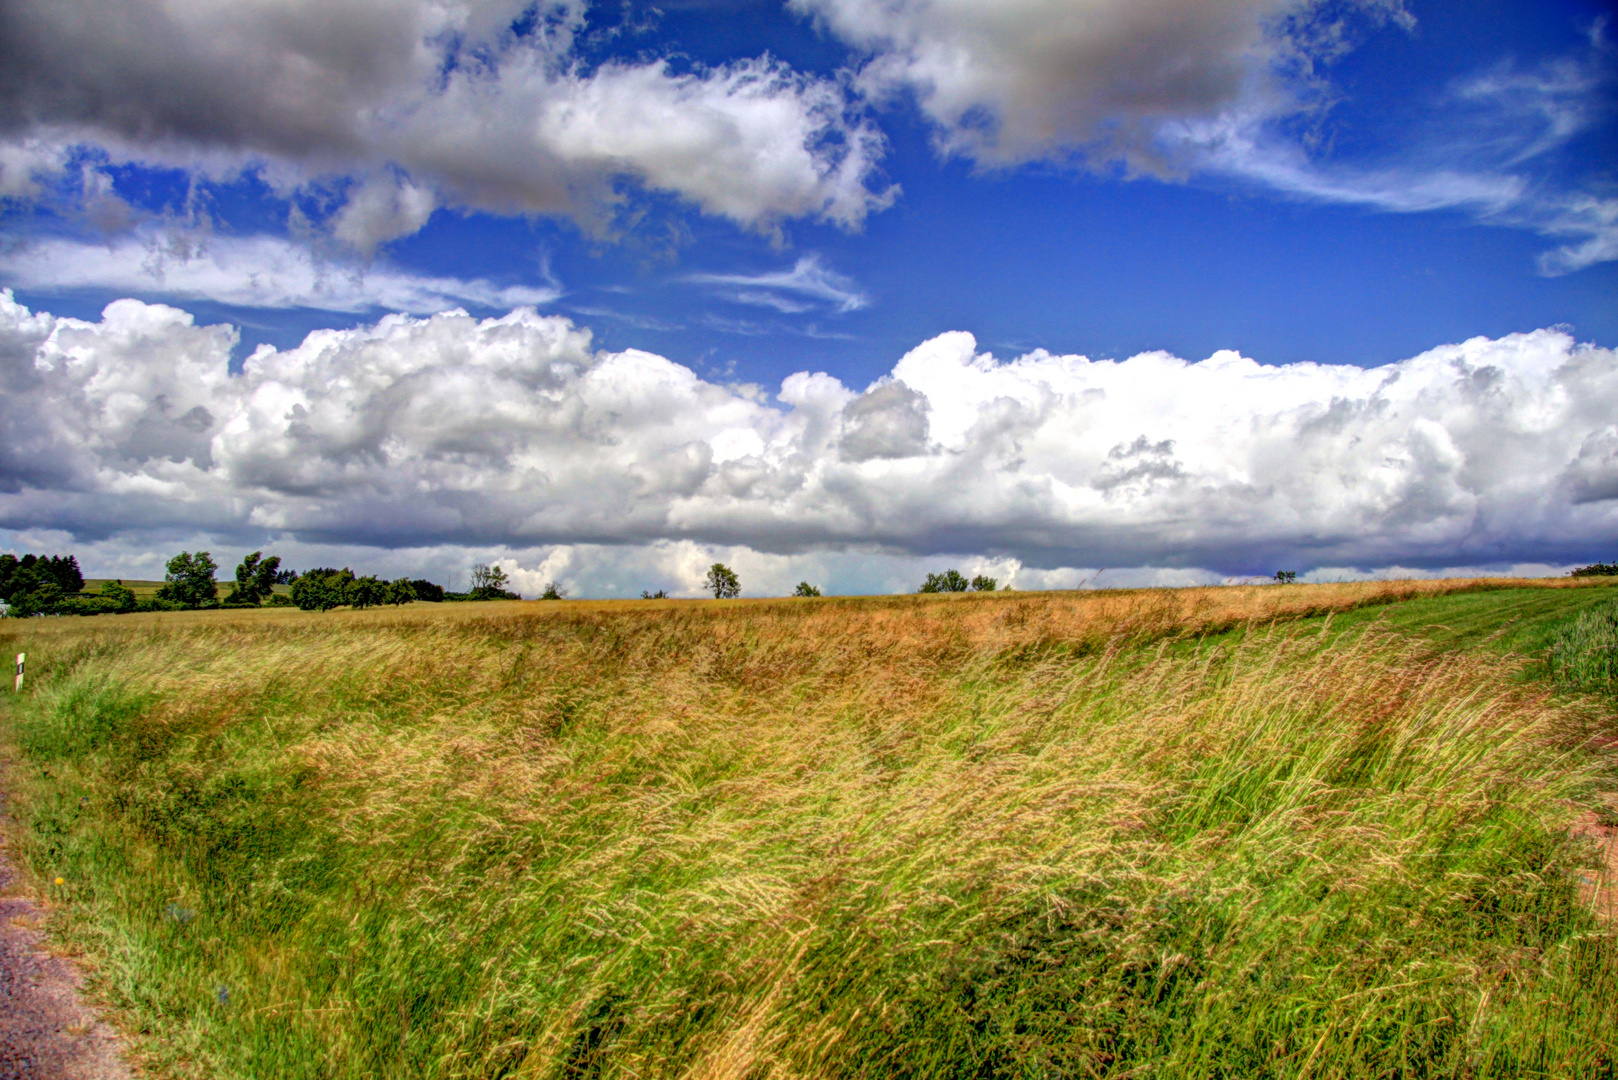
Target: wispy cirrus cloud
[(808, 286), (1177, 89), (1478, 153), (250, 271)]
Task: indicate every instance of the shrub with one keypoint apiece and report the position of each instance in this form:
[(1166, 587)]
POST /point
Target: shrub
[(1600, 569), (1286, 577), (39, 599), (119, 596), (806, 589), (553, 591), (661, 594)]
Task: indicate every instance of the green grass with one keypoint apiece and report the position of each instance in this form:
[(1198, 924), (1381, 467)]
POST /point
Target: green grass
[(1583, 654), (1520, 622), (920, 839)]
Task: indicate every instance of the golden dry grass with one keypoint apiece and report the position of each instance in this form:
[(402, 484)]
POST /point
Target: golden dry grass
[(1019, 835)]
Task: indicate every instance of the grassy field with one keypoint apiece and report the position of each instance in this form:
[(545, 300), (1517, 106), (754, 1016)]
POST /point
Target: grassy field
[(143, 589), (1300, 831)]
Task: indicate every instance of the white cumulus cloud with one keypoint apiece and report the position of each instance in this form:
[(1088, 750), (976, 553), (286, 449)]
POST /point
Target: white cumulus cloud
[(514, 433), (481, 104)]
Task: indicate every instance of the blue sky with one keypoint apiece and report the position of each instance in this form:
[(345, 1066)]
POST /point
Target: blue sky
[(751, 190)]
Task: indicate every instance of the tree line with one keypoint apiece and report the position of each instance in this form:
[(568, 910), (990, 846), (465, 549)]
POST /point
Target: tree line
[(54, 585), (40, 585)]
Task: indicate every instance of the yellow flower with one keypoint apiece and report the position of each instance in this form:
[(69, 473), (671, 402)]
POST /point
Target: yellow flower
[(59, 881)]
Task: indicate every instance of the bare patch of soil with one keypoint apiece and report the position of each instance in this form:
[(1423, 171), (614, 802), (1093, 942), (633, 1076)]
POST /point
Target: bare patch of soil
[(47, 1032), (1600, 888)]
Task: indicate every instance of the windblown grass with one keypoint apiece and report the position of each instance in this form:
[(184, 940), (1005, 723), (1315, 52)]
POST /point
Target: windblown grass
[(1584, 655), (1003, 836)]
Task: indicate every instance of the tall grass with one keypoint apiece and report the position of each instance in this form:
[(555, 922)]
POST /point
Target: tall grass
[(998, 837), (1584, 656)]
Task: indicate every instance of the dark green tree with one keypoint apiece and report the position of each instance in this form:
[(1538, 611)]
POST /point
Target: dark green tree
[(37, 593), (1600, 569), (984, 583), (368, 591), (806, 589), (553, 591), (1286, 577), (322, 589), (400, 591), (948, 581), (661, 594), (255, 580), (722, 582), (427, 592), (22, 575), (189, 580)]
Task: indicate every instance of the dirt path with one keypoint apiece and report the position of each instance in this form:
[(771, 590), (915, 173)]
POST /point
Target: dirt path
[(1601, 891), (46, 1030)]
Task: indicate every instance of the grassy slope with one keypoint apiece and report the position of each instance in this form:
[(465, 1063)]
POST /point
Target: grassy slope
[(1520, 622), (960, 837)]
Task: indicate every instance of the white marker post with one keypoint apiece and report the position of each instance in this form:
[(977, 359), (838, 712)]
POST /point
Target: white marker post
[(17, 688)]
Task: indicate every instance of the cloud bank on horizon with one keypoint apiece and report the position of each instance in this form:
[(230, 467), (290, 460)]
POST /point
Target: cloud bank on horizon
[(513, 431)]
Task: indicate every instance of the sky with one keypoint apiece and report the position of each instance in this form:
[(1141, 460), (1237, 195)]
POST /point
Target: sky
[(1071, 292)]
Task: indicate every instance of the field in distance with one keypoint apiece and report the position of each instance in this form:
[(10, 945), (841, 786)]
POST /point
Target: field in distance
[(1260, 831)]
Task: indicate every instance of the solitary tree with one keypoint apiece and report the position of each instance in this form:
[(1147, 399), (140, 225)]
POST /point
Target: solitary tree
[(722, 582), (189, 580), (806, 589), (553, 591), (661, 594), (948, 581), (1286, 577), (982, 583)]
